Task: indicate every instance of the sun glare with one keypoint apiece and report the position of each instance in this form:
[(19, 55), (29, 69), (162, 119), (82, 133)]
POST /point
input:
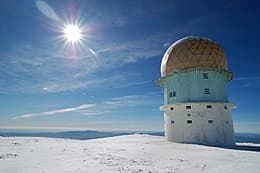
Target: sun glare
[(72, 33)]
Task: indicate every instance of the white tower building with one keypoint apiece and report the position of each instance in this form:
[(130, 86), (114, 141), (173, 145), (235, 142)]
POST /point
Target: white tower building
[(196, 109)]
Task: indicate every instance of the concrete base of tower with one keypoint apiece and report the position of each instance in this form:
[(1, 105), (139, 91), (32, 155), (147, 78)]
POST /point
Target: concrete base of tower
[(208, 123)]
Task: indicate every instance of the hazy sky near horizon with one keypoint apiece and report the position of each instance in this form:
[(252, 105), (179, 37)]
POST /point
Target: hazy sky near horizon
[(106, 83)]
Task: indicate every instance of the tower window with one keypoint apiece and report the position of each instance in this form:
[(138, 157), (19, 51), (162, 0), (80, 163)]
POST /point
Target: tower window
[(209, 106), (225, 107), (172, 94), (172, 121), (188, 115), (206, 91), (205, 76), (188, 107), (210, 121), (172, 108), (189, 121)]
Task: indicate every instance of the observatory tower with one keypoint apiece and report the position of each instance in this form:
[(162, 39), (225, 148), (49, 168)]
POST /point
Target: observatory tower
[(196, 109)]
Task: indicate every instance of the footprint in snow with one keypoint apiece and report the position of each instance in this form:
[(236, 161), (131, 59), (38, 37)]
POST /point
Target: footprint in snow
[(7, 156)]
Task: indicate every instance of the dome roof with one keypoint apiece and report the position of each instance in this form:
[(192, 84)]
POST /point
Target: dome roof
[(192, 52)]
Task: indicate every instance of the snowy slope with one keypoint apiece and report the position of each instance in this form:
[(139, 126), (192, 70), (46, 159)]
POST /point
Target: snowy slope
[(130, 153)]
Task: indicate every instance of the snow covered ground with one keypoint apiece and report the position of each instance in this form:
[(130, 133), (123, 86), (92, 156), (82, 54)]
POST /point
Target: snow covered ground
[(130, 153)]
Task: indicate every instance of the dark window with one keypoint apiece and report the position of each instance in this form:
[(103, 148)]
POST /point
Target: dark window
[(206, 91), (210, 121), (188, 115), (209, 106), (205, 76), (172, 108), (189, 121), (227, 122), (188, 107), (225, 107), (172, 94), (172, 122)]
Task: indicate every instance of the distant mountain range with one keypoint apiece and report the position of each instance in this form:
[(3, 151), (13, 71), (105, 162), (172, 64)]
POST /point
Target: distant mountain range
[(84, 135)]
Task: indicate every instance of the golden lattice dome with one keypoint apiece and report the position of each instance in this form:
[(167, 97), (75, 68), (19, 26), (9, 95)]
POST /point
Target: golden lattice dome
[(192, 52)]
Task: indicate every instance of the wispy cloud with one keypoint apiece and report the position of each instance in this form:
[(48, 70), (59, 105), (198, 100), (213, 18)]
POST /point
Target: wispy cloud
[(130, 101), (108, 106), (247, 78), (249, 81), (123, 85), (30, 69), (47, 10), (78, 84), (166, 44), (72, 109), (53, 112), (24, 116)]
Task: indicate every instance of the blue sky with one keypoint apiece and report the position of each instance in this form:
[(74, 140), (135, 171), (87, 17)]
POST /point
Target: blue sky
[(47, 85)]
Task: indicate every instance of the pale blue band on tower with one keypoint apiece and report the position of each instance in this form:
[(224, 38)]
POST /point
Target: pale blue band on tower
[(196, 85)]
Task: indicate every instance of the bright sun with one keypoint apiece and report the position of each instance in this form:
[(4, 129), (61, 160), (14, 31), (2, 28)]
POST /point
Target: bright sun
[(72, 33)]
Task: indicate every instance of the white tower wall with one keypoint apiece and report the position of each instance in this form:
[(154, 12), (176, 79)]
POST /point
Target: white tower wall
[(199, 122)]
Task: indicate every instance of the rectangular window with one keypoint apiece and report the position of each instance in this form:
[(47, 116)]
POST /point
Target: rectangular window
[(209, 106), (206, 91), (210, 121), (188, 107), (172, 94), (205, 76), (172, 122), (189, 121)]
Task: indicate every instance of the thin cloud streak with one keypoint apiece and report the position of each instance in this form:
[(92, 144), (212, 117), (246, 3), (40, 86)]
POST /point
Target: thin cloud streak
[(247, 78), (109, 106), (92, 51), (71, 109), (48, 11), (24, 116), (79, 84), (134, 84)]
